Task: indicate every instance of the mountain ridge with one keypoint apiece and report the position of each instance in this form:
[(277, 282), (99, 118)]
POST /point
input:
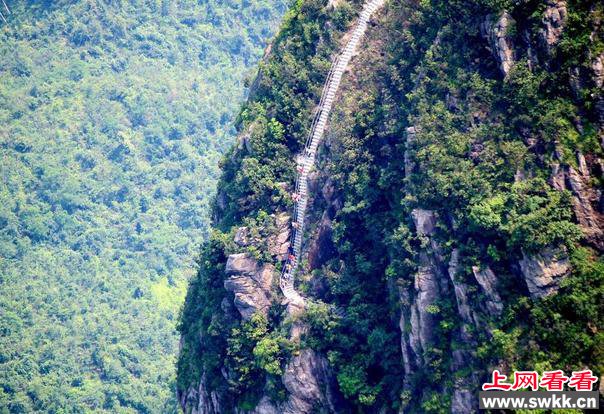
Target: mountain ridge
[(452, 227)]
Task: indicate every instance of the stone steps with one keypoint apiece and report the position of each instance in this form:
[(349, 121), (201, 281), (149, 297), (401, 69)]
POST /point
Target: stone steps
[(328, 95)]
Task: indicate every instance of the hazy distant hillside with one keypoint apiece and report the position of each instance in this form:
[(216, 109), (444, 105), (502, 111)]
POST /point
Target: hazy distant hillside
[(113, 115)]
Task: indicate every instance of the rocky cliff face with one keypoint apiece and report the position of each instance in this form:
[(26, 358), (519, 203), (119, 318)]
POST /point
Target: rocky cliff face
[(457, 203), (496, 29), (310, 384), (251, 288)]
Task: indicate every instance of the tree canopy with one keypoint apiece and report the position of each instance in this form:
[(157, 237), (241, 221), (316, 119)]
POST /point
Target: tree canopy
[(113, 116)]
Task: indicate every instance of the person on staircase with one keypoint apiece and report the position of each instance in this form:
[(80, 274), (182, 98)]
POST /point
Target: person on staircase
[(289, 259)]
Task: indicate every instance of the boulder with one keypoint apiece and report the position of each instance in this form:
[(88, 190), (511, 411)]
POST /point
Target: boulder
[(241, 264), (250, 284)]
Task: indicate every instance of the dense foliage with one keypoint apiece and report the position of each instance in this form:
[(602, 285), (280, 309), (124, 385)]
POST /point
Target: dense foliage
[(113, 116), (275, 121), (480, 158)]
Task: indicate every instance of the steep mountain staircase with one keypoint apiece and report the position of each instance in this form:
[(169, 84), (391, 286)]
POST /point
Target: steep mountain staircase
[(307, 159)]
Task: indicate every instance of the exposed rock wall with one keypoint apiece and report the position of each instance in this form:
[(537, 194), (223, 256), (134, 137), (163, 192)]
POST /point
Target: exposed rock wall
[(311, 388), (250, 283), (201, 401), (553, 22), (587, 199), (543, 272), (497, 30), (308, 379), (488, 282), (464, 397), (416, 321)]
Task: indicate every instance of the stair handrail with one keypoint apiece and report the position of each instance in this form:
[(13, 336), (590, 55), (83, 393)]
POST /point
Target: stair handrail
[(308, 155)]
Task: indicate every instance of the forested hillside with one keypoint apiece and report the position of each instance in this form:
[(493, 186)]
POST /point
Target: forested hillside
[(456, 214), (113, 116)]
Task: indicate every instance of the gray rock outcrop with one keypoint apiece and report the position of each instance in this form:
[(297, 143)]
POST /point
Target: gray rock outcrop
[(311, 384), (586, 199), (464, 310), (425, 221), (278, 243), (417, 318), (497, 31), (543, 272), (242, 237), (250, 284), (200, 400), (463, 401), (589, 218), (422, 320), (552, 24), (311, 387), (488, 282)]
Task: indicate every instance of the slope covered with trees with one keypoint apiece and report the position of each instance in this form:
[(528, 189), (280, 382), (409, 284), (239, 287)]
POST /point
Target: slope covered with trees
[(457, 221), (113, 116)]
